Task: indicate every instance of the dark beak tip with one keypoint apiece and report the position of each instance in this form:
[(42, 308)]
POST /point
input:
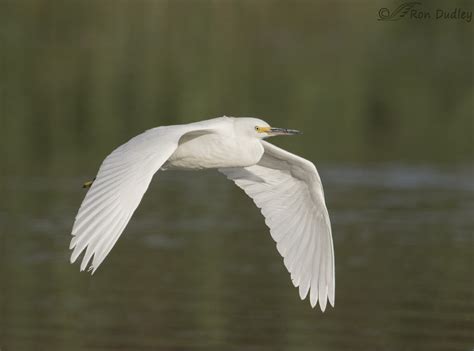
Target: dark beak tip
[(284, 131), (294, 132)]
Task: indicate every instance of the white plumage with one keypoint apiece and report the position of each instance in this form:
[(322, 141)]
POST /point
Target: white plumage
[(286, 188)]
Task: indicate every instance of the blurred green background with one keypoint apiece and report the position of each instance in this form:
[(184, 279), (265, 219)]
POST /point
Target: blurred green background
[(79, 77), (387, 113)]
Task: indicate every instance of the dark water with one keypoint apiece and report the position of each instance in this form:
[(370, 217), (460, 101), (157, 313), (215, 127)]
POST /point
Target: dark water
[(386, 108), (197, 270)]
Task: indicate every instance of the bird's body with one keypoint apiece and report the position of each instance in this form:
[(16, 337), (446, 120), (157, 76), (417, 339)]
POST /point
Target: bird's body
[(212, 150), (286, 188)]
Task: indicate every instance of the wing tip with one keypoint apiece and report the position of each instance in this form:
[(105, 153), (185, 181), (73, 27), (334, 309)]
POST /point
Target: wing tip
[(323, 303), (332, 300), (323, 307)]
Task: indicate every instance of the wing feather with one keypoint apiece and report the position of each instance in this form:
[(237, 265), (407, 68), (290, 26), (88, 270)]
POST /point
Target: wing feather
[(288, 190), (120, 184)]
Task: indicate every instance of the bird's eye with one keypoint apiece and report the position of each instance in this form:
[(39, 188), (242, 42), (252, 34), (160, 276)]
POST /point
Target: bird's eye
[(257, 128)]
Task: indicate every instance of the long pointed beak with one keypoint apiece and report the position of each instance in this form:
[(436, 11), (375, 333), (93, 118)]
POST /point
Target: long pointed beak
[(283, 131)]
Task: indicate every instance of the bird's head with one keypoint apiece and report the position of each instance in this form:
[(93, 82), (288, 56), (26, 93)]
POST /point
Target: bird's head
[(255, 127)]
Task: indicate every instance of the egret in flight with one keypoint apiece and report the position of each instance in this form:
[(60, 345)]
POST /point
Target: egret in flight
[(285, 187)]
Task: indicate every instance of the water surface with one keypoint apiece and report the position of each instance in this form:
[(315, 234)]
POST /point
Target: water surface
[(197, 269)]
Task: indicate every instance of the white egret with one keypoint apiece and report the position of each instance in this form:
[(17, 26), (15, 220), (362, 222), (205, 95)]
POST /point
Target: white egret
[(286, 188)]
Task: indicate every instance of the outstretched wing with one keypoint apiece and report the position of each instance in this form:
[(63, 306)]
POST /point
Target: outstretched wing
[(123, 178), (288, 190)]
